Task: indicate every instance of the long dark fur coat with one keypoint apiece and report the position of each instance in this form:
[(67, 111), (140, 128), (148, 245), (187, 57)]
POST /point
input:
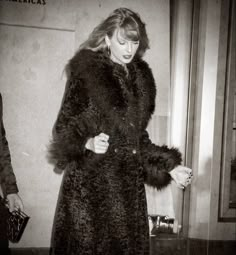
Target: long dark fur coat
[(102, 205)]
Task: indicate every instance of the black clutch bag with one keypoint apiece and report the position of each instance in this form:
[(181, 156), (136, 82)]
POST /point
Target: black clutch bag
[(16, 223)]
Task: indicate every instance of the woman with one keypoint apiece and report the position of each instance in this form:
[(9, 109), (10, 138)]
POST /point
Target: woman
[(100, 140)]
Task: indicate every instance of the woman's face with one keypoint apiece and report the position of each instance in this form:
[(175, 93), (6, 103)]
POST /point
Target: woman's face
[(122, 50)]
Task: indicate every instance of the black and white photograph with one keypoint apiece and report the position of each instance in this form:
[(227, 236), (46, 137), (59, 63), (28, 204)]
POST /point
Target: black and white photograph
[(118, 127)]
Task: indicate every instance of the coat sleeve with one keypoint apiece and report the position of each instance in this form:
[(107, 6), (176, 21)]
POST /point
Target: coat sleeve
[(7, 176), (76, 122), (158, 161)]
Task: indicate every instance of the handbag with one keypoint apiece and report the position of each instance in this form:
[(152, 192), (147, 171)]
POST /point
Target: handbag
[(16, 223), (162, 224)]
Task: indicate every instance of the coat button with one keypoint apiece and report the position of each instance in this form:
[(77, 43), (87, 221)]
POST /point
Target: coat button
[(134, 151), (115, 150)]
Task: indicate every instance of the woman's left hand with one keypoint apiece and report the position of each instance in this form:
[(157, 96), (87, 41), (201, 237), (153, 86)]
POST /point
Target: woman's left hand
[(182, 175)]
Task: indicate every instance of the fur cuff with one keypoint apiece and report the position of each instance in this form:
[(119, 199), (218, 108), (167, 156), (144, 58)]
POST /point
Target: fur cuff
[(158, 163)]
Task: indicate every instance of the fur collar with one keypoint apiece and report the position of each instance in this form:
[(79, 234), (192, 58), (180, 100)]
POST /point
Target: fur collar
[(123, 99)]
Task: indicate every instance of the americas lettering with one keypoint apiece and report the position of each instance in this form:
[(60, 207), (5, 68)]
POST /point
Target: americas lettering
[(37, 2)]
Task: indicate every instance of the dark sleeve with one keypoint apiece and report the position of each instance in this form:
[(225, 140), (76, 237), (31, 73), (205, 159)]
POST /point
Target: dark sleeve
[(76, 122), (158, 161), (8, 179)]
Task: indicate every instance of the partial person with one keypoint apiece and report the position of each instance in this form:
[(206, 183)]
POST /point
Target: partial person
[(100, 139), (8, 185)]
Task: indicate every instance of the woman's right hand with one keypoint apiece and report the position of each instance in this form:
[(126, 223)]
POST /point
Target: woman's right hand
[(98, 144)]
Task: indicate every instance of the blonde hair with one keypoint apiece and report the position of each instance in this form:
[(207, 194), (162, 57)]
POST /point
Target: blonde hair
[(130, 24)]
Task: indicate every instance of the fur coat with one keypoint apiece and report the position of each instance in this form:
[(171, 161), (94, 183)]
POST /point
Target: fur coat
[(102, 205)]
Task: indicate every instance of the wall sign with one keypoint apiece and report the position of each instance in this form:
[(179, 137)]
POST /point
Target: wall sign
[(36, 2)]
